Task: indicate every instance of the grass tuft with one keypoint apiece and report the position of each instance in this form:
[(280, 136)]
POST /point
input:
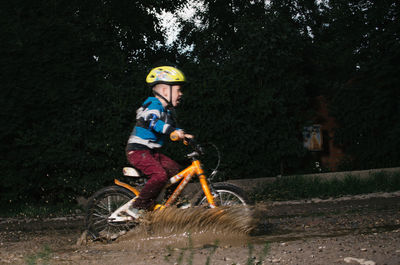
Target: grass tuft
[(42, 257), (251, 259), (303, 187)]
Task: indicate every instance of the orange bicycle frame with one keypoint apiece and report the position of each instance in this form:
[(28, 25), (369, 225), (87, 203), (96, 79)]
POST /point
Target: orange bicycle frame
[(184, 176)]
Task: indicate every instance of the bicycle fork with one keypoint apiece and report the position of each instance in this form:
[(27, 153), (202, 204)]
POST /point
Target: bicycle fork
[(205, 186)]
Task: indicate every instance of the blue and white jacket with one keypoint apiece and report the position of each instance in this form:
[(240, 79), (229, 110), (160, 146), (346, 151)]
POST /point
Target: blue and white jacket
[(153, 123)]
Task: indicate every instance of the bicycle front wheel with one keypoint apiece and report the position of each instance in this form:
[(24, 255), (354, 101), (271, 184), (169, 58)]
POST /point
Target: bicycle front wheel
[(225, 194), (100, 206)]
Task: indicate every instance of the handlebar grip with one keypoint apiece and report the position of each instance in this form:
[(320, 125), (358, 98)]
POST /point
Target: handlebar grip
[(174, 136)]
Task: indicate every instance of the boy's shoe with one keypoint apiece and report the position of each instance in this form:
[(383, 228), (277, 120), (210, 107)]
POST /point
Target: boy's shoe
[(134, 212)]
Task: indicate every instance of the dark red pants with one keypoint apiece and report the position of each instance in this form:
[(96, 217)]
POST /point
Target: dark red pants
[(158, 168)]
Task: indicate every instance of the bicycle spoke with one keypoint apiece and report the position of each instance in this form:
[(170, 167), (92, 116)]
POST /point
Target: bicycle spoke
[(103, 220), (98, 218), (100, 212), (102, 205), (101, 226), (221, 202), (225, 198)]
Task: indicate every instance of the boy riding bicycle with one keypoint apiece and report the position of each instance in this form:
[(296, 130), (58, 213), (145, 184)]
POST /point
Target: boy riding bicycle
[(154, 122)]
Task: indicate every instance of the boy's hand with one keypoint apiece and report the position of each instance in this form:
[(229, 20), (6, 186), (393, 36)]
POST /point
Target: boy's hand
[(179, 135), (189, 136)]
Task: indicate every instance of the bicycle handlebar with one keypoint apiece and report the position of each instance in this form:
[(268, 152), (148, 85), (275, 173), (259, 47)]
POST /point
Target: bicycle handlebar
[(199, 150), (192, 143), (188, 141)]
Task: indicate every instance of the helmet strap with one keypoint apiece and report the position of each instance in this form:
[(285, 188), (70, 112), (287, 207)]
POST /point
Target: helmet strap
[(169, 102), (170, 95), (169, 105)]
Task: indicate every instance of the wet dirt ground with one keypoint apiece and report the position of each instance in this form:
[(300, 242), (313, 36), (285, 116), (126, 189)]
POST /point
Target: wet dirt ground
[(350, 230)]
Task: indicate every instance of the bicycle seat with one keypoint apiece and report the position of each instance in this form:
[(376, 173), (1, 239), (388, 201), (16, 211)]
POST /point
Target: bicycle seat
[(131, 172)]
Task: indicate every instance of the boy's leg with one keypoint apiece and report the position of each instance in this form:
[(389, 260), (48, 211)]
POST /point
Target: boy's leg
[(152, 168), (168, 164)]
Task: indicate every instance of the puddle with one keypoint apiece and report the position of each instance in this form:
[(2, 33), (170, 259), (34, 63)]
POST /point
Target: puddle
[(185, 240)]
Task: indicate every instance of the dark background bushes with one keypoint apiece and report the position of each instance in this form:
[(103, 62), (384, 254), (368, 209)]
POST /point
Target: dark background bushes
[(72, 76)]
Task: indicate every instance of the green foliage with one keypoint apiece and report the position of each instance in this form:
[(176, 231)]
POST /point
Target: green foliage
[(364, 84), (73, 72), (72, 75), (259, 66), (255, 89)]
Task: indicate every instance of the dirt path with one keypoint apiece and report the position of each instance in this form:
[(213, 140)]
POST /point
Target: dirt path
[(354, 230)]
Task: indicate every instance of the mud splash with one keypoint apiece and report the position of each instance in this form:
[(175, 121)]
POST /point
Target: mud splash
[(192, 227), (238, 219)]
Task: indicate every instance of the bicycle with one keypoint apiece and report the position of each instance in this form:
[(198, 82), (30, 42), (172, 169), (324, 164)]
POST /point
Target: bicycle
[(105, 209)]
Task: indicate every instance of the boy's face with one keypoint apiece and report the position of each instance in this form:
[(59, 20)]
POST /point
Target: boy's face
[(165, 90)]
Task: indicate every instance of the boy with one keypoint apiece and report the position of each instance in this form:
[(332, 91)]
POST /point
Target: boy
[(154, 121)]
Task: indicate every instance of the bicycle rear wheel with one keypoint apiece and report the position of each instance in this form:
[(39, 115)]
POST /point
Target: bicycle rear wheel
[(100, 206), (225, 194)]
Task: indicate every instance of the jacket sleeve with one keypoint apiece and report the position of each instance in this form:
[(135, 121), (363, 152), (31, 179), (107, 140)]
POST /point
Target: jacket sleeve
[(155, 123)]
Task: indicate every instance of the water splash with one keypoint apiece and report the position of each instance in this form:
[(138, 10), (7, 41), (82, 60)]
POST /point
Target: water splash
[(237, 219), (173, 226)]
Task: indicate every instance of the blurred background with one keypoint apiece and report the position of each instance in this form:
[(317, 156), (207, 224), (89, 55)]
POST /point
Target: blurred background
[(281, 87)]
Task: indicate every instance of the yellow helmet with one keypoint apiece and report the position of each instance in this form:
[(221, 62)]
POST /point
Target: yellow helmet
[(165, 75)]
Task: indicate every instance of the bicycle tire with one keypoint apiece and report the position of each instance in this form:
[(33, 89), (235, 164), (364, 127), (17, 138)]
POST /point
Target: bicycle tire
[(100, 206), (225, 194)]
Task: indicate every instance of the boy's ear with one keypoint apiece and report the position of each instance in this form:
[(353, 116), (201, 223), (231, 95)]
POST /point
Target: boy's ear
[(164, 91), (158, 89)]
